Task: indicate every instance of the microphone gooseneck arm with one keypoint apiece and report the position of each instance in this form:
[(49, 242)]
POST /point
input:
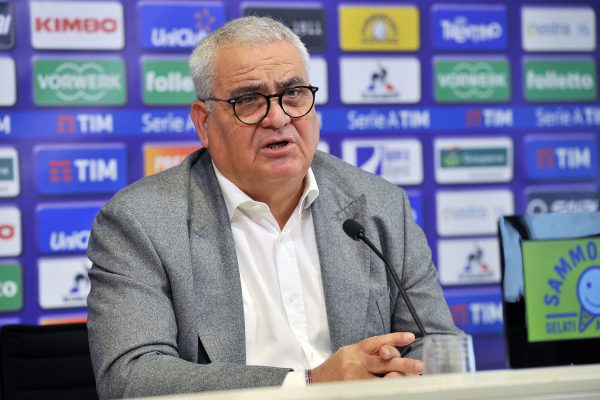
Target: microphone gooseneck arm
[(357, 232)]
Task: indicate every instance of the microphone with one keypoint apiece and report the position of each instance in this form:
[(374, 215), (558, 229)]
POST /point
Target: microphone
[(357, 232)]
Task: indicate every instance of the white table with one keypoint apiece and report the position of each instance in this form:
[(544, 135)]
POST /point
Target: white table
[(572, 382)]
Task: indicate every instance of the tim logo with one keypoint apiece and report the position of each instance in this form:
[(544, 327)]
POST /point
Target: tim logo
[(569, 158), (476, 314), (81, 170)]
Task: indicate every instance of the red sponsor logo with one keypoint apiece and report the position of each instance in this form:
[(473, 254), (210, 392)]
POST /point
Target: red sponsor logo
[(7, 231), (61, 171), (78, 25)]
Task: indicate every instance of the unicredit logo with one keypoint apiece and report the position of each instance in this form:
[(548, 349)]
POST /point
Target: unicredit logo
[(81, 25)]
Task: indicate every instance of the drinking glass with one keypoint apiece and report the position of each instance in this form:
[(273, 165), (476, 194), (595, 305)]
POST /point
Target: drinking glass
[(448, 353)]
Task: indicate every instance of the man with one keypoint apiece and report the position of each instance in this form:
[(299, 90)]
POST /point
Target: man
[(232, 270)]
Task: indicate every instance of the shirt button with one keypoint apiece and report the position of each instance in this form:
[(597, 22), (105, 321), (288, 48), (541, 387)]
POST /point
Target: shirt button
[(292, 297)]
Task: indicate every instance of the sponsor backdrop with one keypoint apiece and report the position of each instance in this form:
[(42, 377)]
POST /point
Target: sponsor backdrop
[(477, 110)]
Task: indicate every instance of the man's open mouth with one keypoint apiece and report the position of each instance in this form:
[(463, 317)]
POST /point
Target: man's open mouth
[(277, 145)]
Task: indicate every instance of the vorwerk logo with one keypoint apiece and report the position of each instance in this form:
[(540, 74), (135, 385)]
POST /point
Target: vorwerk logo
[(7, 26), (74, 25), (472, 80), (101, 169), (79, 82), (170, 25), (464, 27)]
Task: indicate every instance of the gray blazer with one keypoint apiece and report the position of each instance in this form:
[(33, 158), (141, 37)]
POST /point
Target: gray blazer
[(165, 308)]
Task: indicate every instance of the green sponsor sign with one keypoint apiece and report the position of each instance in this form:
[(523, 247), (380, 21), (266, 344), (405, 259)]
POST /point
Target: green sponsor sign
[(167, 82), (562, 289), (79, 82), (7, 172), (559, 80), (472, 81), (11, 287), (469, 158)]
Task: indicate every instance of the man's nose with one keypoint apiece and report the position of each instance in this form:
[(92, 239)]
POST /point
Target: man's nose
[(276, 117)]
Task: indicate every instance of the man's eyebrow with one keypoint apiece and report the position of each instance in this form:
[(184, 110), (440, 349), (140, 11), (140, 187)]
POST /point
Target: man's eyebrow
[(295, 81), (262, 88)]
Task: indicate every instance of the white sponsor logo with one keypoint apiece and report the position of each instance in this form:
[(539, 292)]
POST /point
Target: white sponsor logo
[(399, 161), (558, 28), (318, 78), (468, 261), (472, 212), (460, 30), (10, 232), (69, 241), (68, 25), (9, 172), (8, 82), (63, 282), (380, 80), (473, 160)]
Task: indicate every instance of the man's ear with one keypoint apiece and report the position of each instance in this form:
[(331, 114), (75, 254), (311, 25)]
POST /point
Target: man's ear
[(199, 114)]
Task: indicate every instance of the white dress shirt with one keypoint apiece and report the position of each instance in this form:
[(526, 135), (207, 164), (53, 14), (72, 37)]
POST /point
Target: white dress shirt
[(284, 304)]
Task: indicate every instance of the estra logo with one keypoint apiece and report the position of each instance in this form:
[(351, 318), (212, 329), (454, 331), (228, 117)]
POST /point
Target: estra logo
[(77, 25), (10, 232)]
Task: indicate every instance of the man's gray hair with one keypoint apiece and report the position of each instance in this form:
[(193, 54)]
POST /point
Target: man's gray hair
[(251, 31)]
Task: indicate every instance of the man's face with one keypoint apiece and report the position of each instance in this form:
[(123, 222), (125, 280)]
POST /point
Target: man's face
[(279, 149)]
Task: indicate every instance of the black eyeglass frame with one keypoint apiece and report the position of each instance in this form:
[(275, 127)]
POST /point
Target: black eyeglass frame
[(268, 97)]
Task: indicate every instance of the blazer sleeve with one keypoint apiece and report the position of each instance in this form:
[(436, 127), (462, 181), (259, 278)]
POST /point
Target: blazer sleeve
[(133, 330)]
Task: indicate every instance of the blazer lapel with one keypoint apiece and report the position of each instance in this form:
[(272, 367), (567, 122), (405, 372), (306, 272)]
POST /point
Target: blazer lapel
[(345, 263), (215, 268)]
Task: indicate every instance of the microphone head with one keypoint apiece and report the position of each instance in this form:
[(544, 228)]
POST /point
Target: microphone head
[(353, 229)]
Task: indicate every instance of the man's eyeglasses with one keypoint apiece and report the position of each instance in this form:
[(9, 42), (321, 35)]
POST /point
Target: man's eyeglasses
[(252, 108)]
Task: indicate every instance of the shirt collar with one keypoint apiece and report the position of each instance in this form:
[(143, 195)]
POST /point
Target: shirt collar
[(235, 197)]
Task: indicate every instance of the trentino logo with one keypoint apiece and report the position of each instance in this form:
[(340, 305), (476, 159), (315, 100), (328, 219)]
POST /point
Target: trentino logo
[(65, 228), (472, 80), (63, 282), (77, 25), (566, 200), (7, 26), (558, 28), (469, 28), (560, 79), (399, 161), (571, 157), (473, 160), (468, 261), (11, 287), (178, 26), (380, 80), (167, 82), (81, 169), (79, 82), (394, 28), (9, 172)]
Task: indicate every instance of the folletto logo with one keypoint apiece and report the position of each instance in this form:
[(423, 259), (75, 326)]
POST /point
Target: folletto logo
[(62, 170), (400, 161), (79, 82), (469, 28), (558, 28), (7, 26), (65, 228), (167, 82), (573, 157), (394, 28), (472, 80), (560, 79), (170, 25), (77, 25)]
